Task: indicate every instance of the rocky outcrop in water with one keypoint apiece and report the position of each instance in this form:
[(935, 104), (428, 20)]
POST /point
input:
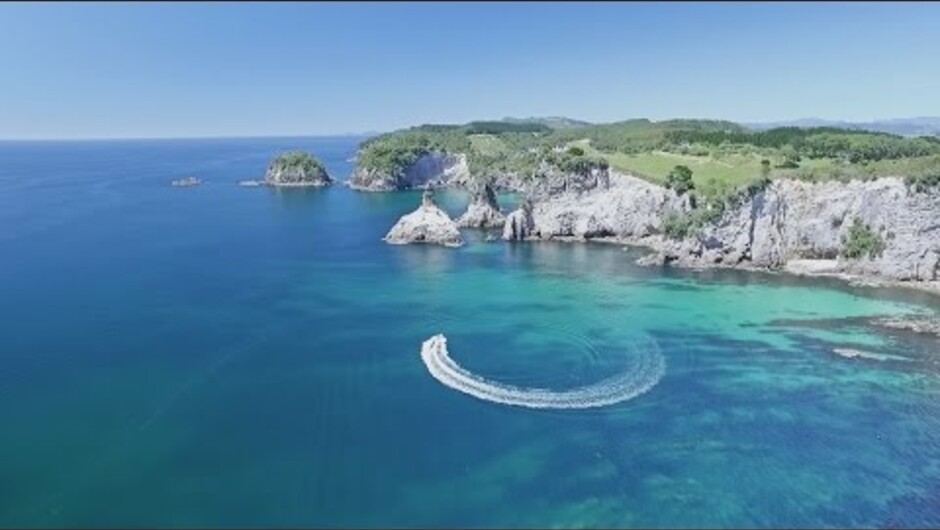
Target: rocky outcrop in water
[(296, 169), (786, 221), (427, 224), (187, 182), (429, 170), (483, 211), (519, 224), (926, 325)]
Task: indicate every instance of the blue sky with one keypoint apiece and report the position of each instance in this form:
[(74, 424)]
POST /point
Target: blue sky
[(254, 69)]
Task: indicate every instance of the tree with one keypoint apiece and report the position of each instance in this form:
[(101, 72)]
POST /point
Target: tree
[(791, 158), (575, 151), (680, 180)]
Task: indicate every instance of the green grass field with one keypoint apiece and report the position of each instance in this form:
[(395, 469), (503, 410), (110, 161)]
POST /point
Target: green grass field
[(655, 165), (721, 155), (741, 169)]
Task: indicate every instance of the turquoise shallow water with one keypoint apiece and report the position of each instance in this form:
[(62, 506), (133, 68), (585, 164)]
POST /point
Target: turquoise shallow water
[(225, 356)]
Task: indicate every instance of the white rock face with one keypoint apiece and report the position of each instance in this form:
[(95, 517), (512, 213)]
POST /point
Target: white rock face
[(519, 224), (483, 210), (550, 181), (626, 207), (788, 221), (427, 224), (793, 220), (431, 170)]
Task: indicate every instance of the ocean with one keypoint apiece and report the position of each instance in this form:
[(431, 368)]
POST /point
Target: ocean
[(222, 356)]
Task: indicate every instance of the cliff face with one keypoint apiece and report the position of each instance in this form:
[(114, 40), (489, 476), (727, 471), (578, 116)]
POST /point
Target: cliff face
[(483, 211), (449, 169), (787, 221), (430, 170), (550, 181), (797, 220), (620, 206)]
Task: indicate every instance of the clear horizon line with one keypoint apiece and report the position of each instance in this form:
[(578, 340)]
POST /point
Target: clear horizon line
[(207, 137)]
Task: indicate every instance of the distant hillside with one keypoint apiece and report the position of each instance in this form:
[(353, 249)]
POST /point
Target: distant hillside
[(722, 156), (910, 127), (554, 122)]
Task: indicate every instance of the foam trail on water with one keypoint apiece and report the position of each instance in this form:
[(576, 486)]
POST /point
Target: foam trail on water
[(646, 370)]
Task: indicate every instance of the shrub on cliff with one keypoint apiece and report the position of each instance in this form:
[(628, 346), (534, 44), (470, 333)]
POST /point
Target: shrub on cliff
[(575, 151), (862, 241), (924, 182), (575, 161), (680, 179), (678, 226)]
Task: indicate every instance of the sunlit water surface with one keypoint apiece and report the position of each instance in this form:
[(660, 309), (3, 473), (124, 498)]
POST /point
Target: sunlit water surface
[(229, 356)]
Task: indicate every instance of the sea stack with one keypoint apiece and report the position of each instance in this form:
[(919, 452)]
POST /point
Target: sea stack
[(520, 224), (427, 224), (297, 169), (483, 211)]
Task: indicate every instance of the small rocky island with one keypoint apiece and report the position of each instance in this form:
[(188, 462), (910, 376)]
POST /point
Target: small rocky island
[(427, 224), (187, 182), (483, 211), (297, 169)]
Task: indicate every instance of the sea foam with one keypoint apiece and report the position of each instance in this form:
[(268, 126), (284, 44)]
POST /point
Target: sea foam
[(645, 370)]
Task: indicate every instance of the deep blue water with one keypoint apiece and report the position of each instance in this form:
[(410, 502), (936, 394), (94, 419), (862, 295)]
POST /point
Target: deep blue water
[(228, 356)]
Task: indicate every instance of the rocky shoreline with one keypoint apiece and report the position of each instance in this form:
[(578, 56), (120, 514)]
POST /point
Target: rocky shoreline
[(786, 226)]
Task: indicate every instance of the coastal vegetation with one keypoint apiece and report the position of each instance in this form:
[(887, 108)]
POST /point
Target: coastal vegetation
[(923, 182), (298, 161), (680, 179), (723, 157), (296, 168), (678, 226), (861, 241)]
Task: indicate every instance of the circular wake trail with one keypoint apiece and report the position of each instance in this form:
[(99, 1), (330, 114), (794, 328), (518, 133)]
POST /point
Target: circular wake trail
[(646, 370)]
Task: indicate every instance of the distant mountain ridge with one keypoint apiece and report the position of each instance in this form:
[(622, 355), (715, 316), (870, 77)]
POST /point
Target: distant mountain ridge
[(907, 127), (918, 126), (555, 122)]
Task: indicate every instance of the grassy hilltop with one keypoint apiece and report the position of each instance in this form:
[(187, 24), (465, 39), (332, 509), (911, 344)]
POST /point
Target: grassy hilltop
[(723, 156)]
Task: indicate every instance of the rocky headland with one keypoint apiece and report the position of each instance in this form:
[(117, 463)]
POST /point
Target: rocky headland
[(433, 169), (787, 225), (427, 224), (862, 221)]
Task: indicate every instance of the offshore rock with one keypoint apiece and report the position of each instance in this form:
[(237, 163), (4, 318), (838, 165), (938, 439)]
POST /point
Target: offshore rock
[(296, 169), (427, 224)]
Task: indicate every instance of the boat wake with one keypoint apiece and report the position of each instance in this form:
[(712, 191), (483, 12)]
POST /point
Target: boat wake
[(645, 371)]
